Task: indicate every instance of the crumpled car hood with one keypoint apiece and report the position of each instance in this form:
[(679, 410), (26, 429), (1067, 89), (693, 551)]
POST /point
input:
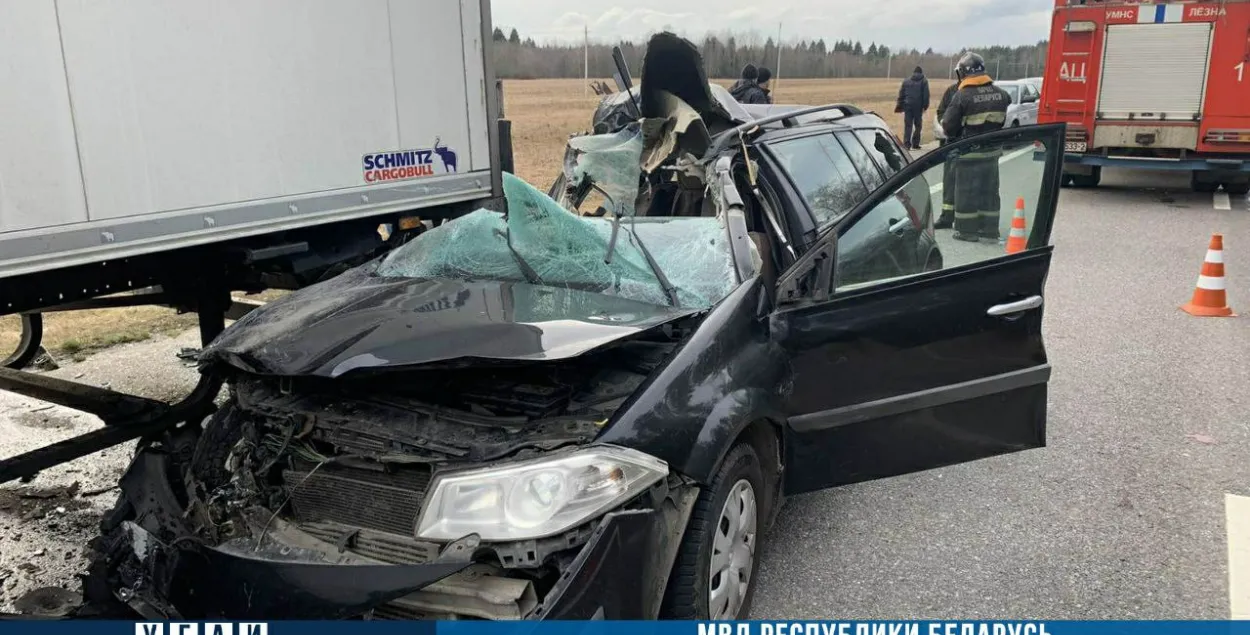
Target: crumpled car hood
[(358, 320)]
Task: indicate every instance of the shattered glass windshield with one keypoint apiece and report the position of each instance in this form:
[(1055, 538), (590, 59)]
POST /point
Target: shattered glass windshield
[(610, 162), (563, 249)]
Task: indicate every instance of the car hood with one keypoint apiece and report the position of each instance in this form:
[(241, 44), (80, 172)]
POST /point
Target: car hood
[(358, 320)]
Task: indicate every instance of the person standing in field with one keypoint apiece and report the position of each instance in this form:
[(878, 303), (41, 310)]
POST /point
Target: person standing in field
[(749, 90), (762, 80), (749, 76), (913, 101)]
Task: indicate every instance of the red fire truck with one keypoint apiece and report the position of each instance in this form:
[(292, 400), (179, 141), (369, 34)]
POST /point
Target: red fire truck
[(1152, 86)]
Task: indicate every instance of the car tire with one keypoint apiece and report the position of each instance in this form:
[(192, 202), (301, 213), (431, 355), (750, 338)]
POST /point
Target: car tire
[(220, 434), (1015, 124), (688, 596), (28, 344)]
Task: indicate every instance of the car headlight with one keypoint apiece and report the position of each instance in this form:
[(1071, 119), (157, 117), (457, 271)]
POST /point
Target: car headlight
[(536, 498)]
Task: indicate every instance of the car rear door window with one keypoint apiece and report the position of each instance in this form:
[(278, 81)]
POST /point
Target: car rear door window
[(823, 174), (889, 157), (868, 171)]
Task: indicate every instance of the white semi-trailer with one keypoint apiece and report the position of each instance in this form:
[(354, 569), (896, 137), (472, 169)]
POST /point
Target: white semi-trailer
[(194, 148)]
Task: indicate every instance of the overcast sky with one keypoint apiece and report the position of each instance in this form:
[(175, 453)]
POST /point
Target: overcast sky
[(942, 24)]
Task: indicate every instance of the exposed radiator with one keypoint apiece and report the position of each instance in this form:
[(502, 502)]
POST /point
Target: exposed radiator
[(387, 502)]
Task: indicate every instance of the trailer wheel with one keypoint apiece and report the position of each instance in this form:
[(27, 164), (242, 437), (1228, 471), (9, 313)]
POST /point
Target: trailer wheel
[(1202, 182), (1237, 189), (28, 343)]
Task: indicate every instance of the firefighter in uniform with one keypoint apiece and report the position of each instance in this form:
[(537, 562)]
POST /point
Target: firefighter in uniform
[(947, 219), (978, 107)]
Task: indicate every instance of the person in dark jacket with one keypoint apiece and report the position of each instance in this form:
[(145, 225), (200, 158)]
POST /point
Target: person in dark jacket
[(748, 90), (947, 219), (978, 107), (762, 80), (749, 76), (945, 104), (913, 100)]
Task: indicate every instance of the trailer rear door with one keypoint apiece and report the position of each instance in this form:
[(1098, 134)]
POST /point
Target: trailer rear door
[(1155, 71)]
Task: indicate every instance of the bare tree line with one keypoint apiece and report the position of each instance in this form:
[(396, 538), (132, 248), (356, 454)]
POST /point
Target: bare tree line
[(724, 56)]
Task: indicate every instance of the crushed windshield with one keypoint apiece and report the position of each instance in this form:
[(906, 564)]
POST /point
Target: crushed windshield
[(563, 249)]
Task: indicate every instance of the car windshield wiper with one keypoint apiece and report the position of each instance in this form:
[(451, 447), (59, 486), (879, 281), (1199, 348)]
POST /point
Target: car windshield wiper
[(669, 289), (531, 276)]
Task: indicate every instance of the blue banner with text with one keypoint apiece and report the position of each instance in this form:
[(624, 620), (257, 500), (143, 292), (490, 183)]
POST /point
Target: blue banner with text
[(771, 627)]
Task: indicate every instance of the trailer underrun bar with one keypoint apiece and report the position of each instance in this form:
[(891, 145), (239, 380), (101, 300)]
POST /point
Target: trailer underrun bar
[(126, 417)]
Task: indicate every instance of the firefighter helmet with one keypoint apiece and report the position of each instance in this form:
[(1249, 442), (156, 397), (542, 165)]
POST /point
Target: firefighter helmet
[(970, 64)]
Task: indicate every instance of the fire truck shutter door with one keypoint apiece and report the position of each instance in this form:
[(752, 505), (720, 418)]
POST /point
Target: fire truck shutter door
[(1155, 71)]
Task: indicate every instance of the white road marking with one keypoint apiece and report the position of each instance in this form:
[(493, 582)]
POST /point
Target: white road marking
[(1010, 157), (1237, 510), (1222, 201)]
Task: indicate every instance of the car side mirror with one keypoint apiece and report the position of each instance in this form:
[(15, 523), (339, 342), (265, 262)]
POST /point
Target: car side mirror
[(1030, 99)]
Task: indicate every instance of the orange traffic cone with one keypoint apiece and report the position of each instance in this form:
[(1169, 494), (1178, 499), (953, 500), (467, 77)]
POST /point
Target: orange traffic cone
[(1017, 240), (1210, 299)]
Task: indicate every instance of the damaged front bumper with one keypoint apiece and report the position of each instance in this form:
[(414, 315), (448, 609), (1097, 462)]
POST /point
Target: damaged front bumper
[(149, 561)]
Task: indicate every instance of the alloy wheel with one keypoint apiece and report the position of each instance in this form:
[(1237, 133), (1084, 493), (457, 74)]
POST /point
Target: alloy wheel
[(733, 553)]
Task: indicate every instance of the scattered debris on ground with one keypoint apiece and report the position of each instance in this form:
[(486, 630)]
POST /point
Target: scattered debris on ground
[(1201, 438)]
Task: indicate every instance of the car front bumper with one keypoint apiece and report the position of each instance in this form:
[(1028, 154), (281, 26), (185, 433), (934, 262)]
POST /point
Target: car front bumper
[(620, 573)]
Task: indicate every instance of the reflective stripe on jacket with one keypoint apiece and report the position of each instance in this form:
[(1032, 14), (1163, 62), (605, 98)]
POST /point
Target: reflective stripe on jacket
[(976, 108)]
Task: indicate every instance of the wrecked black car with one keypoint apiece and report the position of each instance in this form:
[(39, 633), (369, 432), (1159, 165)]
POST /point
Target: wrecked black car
[(542, 414)]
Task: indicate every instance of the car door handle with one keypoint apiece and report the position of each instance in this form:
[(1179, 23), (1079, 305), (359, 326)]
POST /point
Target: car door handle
[(1010, 308), (899, 226)]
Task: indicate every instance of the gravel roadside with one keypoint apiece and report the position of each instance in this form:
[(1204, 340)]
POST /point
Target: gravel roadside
[(45, 525)]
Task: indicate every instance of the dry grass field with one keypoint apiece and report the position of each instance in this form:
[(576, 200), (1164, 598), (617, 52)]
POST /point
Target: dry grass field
[(544, 114)]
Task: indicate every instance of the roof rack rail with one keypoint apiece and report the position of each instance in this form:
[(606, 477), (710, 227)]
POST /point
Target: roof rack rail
[(788, 119)]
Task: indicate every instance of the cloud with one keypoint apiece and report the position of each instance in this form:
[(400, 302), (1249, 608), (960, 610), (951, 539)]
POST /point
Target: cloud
[(570, 21), (613, 23), (942, 24), (747, 13)]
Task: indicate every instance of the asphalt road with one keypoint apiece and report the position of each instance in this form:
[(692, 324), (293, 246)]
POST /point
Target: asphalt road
[(1122, 516)]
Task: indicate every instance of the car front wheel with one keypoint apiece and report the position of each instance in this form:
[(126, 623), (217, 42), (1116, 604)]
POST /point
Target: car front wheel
[(713, 577)]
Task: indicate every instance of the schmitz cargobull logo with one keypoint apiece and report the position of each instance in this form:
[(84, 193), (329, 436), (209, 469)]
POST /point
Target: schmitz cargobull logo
[(399, 165)]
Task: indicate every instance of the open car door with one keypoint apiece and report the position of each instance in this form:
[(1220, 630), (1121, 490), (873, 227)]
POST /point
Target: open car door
[(903, 368)]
